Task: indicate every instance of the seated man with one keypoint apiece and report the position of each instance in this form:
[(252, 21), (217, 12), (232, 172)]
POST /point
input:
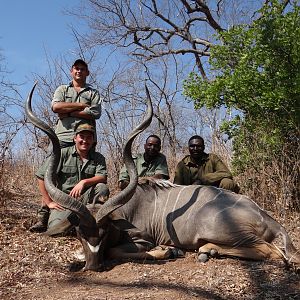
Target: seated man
[(81, 173), (151, 163), (202, 168)]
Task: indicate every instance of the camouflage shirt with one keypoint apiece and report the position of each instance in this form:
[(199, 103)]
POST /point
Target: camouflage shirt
[(210, 170), (72, 169), (158, 166), (66, 93)]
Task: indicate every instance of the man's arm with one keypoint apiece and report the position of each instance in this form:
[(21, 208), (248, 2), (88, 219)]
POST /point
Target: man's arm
[(67, 107), (78, 110), (46, 198), (220, 171), (85, 183), (178, 178), (82, 115)]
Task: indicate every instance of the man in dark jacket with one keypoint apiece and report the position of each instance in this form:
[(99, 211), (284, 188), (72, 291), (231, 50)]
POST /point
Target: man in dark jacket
[(202, 168)]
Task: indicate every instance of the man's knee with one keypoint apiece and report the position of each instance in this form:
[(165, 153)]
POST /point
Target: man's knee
[(59, 223), (101, 192), (229, 184)]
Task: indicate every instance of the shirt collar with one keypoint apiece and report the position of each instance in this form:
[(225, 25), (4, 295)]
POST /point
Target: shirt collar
[(86, 86)]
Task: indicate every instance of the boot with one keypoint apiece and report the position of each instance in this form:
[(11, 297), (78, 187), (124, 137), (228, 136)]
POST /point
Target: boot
[(42, 222)]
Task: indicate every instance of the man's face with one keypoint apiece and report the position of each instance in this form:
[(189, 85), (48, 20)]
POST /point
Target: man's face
[(196, 148), (79, 72), (84, 141), (152, 146)]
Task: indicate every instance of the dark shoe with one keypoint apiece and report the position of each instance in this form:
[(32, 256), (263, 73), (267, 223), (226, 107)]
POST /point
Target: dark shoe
[(39, 226)]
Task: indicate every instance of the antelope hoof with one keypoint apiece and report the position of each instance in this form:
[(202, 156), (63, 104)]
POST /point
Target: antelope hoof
[(203, 257), (213, 253)]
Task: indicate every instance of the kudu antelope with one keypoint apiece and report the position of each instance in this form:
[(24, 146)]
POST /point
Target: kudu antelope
[(204, 218)]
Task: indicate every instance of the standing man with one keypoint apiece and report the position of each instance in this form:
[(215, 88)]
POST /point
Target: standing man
[(74, 103), (202, 168), (151, 163), (81, 174)]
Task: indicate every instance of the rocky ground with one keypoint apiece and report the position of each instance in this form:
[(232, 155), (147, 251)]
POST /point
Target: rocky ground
[(37, 267)]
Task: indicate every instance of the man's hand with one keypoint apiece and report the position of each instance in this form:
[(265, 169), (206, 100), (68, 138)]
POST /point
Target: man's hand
[(54, 205), (77, 189)]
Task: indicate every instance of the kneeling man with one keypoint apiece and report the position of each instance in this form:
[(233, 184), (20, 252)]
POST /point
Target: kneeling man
[(81, 173)]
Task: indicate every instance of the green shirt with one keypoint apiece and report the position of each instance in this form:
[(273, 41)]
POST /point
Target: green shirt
[(66, 93), (72, 169), (158, 166), (209, 171)]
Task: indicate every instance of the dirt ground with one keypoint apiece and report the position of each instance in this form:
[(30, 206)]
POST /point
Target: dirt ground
[(34, 266)]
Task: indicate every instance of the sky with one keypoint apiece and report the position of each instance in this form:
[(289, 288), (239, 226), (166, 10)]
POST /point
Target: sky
[(28, 30)]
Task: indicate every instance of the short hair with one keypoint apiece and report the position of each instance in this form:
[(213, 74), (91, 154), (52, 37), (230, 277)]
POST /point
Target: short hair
[(196, 137), (153, 136)]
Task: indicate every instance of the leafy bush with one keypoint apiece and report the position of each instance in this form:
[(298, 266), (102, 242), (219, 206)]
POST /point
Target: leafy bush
[(257, 72)]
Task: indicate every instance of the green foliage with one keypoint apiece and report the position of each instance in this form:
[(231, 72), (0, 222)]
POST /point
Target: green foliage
[(256, 70)]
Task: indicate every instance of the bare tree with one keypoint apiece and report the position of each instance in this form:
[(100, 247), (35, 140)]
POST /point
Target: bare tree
[(10, 121), (160, 42), (148, 29)]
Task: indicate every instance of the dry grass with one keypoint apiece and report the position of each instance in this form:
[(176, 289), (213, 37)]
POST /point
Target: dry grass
[(273, 187)]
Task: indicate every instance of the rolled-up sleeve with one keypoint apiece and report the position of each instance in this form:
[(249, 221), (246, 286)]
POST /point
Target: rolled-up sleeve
[(95, 108), (100, 162), (59, 95), (40, 173)]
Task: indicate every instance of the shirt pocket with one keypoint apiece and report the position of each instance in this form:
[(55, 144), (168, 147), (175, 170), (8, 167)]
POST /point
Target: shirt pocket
[(90, 171), (69, 170), (68, 177), (85, 99), (68, 98)]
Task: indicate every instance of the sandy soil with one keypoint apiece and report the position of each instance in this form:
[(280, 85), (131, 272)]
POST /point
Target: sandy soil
[(37, 267)]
